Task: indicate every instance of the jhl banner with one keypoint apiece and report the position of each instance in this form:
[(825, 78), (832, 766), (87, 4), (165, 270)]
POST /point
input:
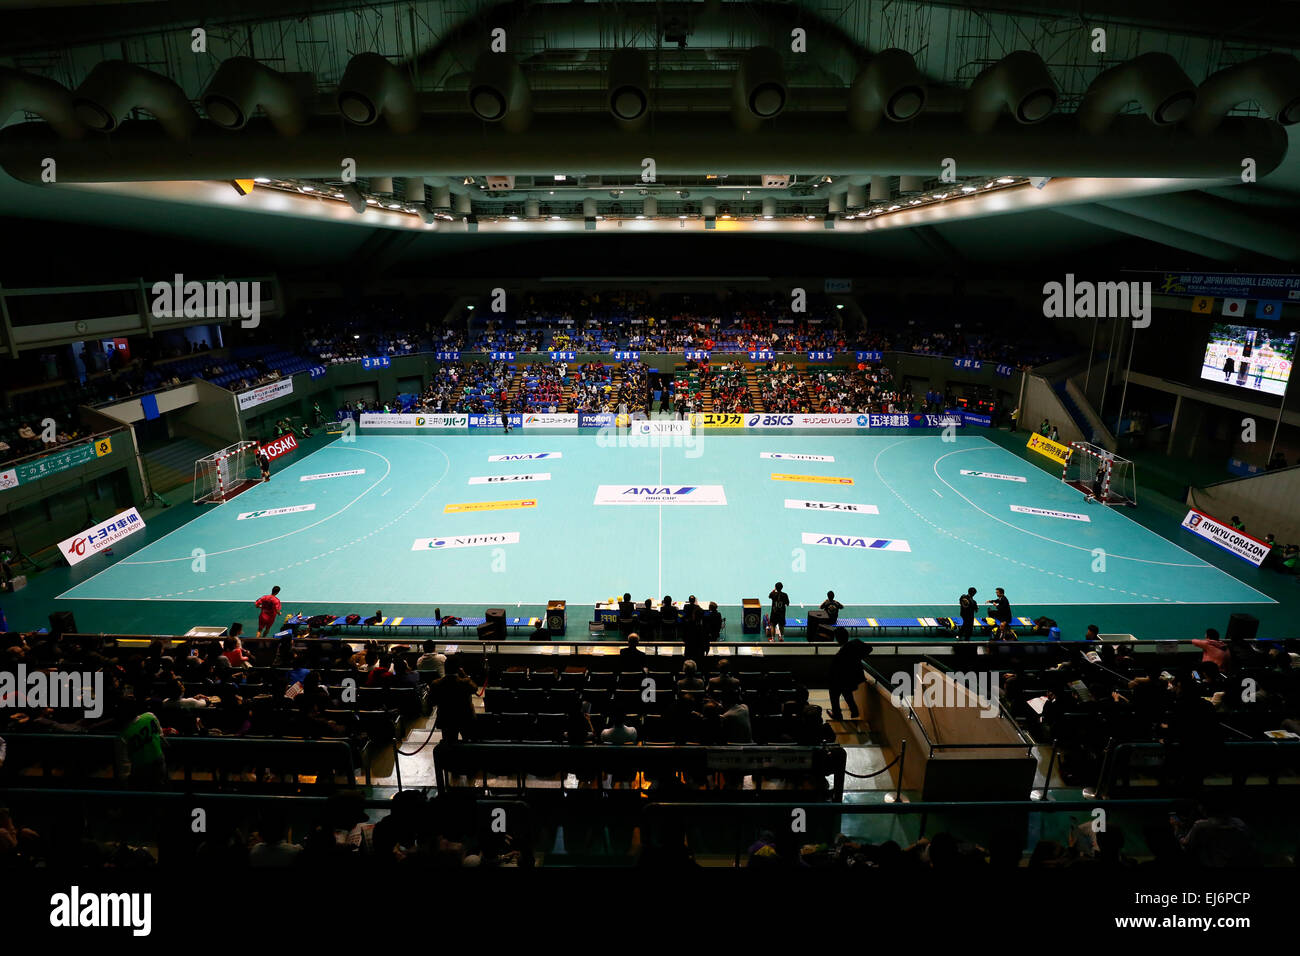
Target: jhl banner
[(1045, 446)]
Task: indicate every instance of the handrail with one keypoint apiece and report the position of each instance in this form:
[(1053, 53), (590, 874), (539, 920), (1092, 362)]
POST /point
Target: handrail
[(54, 450), (1002, 709), (1234, 478)]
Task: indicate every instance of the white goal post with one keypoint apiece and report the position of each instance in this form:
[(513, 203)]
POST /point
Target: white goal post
[(224, 474), (1100, 474)]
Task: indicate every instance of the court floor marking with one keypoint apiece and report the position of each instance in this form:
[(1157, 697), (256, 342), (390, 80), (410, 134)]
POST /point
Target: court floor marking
[(287, 534), (1050, 540), (1004, 557), (315, 557), (1200, 562)]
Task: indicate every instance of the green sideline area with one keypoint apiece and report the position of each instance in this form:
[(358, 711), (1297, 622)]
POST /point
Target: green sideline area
[(355, 549)]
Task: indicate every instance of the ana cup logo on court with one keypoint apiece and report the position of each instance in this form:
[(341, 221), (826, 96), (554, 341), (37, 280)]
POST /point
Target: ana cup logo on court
[(77, 910), (60, 690), (1098, 300), (208, 300)]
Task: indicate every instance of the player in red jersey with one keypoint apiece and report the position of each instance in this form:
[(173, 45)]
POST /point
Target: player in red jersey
[(269, 605)]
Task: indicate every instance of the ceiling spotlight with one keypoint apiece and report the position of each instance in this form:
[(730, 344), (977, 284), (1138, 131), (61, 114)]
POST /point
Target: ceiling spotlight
[(309, 189), (555, 217), (514, 218), (1006, 179), (839, 305), (261, 179), (892, 208), (559, 177), (372, 202), (681, 217), (940, 195), (969, 189), (470, 307), (356, 336), (640, 217)]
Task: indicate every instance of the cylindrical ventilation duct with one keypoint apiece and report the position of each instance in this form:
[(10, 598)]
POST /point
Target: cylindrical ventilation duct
[(889, 86), (589, 208), (650, 206), (50, 101), (116, 87), (758, 91), (415, 190), (857, 197), (441, 198), (498, 91), (1019, 82), (242, 84), (463, 204), (879, 188), (532, 209), (1155, 80), (769, 208), (382, 185), (629, 87), (1271, 80), (910, 184), (372, 87)]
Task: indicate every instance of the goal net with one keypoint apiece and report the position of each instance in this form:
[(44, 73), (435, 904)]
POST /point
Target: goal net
[(1100, 474), (224, 474)]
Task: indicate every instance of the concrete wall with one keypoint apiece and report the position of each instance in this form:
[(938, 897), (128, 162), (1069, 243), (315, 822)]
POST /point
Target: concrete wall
[(1266, 503), (1041, 402)]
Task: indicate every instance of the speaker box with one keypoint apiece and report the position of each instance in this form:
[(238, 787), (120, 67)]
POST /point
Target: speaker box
[(496, 616), (819, 628), (62, 622), (1242, 627), (487, 631)]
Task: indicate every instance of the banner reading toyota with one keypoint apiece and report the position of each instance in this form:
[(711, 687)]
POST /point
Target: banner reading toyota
[(101, 537), (264, 394), (1245, 546)]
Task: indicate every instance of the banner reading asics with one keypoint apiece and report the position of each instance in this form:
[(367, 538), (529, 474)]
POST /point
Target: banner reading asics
[(841, 506), (465, 541), (506, 479), (660, 495), (530, 456), (852, 541)]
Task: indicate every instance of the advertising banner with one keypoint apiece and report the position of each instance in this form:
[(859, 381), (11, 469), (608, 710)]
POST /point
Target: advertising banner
[(660, 495), (1245, 546), (101, 537), (280, 447), (1048, 448), (717, 420), (559, 420), (400, 420), (264, 394)]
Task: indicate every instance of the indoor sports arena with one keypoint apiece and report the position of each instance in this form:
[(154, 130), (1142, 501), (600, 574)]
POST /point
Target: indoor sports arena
[(695, 435)]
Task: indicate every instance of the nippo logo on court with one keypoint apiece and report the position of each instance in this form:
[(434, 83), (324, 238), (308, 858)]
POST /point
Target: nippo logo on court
[(464, 541)]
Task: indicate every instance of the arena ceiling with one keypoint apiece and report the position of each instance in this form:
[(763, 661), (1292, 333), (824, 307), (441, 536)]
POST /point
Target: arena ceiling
[(1055, 148)]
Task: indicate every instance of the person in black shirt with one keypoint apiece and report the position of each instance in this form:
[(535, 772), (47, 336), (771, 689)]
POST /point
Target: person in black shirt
[(1001, 607), (846, 673), (780, 601), (505, 413), (626, 615), (648, 619), (632, 658), (966, 608), (832, 608)]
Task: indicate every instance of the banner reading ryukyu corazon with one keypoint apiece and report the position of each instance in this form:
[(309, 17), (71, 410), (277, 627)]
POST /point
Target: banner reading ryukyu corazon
[(1245, 546)]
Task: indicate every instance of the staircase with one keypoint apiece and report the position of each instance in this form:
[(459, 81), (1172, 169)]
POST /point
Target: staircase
[(755, 395), (171, 464)]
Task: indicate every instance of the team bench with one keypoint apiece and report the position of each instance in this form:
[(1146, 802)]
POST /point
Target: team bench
[(389, 625), (926, 625)]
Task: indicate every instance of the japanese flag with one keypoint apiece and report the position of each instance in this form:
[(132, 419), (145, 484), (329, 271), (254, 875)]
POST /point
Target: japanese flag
[(1235, 307)]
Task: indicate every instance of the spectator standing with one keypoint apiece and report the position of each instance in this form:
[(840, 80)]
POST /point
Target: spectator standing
[(966, 608), (780, 601)]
